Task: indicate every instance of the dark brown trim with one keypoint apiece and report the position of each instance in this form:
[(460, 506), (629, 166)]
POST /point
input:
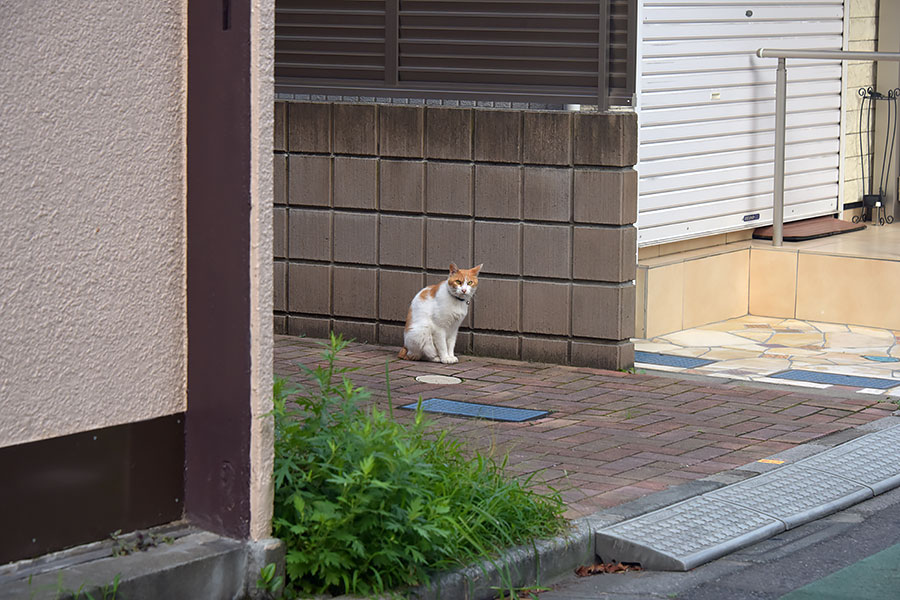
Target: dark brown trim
[(70, 490), (217, 465)]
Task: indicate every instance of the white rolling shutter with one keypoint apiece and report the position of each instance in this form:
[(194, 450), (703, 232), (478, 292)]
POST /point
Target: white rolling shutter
[(707, 115)]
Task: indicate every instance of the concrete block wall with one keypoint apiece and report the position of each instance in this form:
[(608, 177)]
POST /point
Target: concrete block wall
[(374, 201)]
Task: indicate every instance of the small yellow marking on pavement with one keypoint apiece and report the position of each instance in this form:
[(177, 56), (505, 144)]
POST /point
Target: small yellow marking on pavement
[(771, 461)]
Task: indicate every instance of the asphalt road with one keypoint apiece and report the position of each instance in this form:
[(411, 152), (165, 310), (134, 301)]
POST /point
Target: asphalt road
[(851, 555)]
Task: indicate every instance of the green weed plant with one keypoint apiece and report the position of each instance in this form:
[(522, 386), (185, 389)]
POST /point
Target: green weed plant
[(365, 504)]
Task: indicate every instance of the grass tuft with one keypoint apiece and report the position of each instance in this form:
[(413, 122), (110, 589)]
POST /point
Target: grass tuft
[(365, 504)]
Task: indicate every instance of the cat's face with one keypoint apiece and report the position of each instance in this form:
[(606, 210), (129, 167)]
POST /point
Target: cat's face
[(463, 282)]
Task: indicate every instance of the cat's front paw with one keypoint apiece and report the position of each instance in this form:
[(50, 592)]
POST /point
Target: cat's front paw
[(449, 360)]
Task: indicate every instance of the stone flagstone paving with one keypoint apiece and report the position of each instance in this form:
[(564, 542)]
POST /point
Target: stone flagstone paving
[(611, 437), (754, 348)]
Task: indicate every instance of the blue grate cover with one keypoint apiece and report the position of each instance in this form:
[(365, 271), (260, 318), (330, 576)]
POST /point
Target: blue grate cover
[(837, 379), (482, 411), (670, 360)]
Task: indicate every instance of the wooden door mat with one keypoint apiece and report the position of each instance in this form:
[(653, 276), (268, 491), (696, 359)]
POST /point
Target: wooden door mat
[(809, 229)]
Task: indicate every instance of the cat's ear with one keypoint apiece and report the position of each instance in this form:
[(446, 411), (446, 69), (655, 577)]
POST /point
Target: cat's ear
[(478, 268), (453, 268)]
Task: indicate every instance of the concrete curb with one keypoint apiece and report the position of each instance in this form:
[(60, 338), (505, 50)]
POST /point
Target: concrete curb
[(198, 564), (526, 566)]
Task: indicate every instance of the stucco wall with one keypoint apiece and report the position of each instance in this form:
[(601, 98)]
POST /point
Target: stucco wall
[(92, 325), (262, 442)]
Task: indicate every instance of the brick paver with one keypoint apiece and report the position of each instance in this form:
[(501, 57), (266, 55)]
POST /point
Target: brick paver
[(611, 437)]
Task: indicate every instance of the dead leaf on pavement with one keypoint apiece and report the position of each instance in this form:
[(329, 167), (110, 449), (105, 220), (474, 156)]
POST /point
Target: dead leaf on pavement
[(585, 570)]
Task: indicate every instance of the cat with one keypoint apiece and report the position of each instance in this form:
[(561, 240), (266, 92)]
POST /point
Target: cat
[(434, 315)]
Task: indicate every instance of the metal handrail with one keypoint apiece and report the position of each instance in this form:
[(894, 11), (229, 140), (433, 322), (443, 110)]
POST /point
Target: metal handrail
[(780, 113)]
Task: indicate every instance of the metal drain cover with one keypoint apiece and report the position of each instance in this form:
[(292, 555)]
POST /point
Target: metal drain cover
[(836, 379), (481, 411), (438, 379), (670, 360)]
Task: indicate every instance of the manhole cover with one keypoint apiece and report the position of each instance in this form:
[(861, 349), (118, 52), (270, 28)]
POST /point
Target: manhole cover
[(438, 379)]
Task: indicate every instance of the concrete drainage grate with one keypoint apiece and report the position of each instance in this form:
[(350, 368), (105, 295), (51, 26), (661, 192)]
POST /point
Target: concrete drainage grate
[(706, 527), (794, 494), (872, 460), (684, 535)]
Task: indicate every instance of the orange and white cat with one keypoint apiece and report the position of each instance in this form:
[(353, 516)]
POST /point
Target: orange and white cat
[(434, 315)]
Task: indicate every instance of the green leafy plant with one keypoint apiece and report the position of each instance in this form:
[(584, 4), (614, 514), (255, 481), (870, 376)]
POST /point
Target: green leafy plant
[(109, 591), (268, 583), (365, 504)]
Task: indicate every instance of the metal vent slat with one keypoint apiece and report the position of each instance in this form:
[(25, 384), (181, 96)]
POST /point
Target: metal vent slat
[(538, 50)]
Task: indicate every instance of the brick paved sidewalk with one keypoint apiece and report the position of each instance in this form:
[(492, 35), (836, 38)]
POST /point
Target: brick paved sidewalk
[(611, 437)]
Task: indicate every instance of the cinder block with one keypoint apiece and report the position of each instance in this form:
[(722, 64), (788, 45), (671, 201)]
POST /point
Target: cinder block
[(604, 253), (546, 250), (279, 281), (497, 345), (279, 325), (545, 307), (606, 139), (498, 191), (309, 127), (309, 234), (396, 291), (603, 311), (498, 136), (607, 196), (354, 330), (498, 247), (279, 232), (390, 335), (354, 292), (308, 326), (355, 237), (309, 180), (547, 194), (548, 138), (464, 339), (401, 131), (354, 129), (496, 305), (448, 188), (279, 178), (603, 355), (355, 182), (309, 289), (279, 143), (448, 240), (448, 133), (402, 185), (545, 350), (401, 241)]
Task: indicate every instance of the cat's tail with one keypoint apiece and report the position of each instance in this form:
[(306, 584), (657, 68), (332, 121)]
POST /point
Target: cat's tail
[(403, 354)]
